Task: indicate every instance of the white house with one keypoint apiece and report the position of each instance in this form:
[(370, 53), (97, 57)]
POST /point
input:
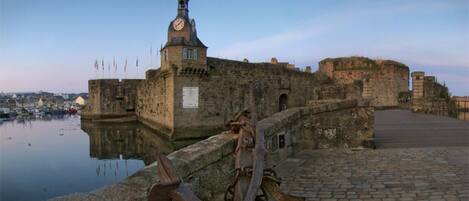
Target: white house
[(42, 102), (80, 101)]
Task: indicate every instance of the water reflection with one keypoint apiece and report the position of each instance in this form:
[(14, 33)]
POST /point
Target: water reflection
[(45, 158), (124, 141)]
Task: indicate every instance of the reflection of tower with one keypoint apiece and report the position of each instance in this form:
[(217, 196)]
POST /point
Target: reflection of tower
[(116, 168), (126, 169), (98, 169), (123, 141)]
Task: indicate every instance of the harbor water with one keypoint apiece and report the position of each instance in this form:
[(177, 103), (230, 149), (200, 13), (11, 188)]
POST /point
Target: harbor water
[(44, 158)]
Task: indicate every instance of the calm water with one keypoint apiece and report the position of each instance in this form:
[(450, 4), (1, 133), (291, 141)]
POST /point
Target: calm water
[(42, 159)]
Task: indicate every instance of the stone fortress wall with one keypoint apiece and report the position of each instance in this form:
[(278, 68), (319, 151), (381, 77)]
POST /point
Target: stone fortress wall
[(158, 100), (382, 80), (222, 92), (386, 84), (111, 98), (462, 102), (431, 97)]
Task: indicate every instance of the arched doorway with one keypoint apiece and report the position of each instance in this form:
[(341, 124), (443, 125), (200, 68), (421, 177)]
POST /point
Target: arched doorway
[(282, 102)]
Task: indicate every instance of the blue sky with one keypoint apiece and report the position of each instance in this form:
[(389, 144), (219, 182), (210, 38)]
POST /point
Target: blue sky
[(52, 44)]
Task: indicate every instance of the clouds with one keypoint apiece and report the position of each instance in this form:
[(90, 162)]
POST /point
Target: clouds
[(405, 31), (426, 35)]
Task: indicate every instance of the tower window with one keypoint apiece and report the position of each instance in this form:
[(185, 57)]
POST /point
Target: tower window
[(188, 53), (184, 53)]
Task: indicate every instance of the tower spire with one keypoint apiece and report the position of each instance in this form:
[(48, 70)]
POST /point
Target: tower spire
[(183, 8)]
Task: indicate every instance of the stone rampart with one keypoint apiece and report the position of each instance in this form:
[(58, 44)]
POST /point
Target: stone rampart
[(111, 98), (382, 80), (155, 100), (206, 166), (431, 97), (220, 92)]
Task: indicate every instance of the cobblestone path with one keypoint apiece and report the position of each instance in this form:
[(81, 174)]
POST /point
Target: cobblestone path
[(414, 170), (436, 173)]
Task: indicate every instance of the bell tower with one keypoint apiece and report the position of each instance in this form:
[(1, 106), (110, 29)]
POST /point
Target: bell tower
[(183, 50)]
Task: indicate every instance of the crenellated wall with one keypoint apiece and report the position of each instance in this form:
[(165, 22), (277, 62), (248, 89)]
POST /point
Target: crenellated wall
[(163, 101)]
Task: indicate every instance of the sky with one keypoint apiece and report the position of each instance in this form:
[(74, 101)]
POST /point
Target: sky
[(52, 45)]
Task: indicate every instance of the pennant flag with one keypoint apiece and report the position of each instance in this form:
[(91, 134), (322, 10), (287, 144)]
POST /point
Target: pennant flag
[(96, 65), (151, 50), (102, 63), (109, 67), (136, 62), (125, 65)]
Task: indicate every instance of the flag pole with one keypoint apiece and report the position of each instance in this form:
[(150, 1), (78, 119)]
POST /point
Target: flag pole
[(151, 55), (102, 65), (125, 69), (136, 65), (96, 68)]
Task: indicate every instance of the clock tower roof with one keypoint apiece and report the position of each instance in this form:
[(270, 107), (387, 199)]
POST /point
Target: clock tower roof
[(182, 30)]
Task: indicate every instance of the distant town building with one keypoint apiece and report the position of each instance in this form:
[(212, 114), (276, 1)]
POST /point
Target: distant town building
[(80, 101), (9, 103), (42, 102)]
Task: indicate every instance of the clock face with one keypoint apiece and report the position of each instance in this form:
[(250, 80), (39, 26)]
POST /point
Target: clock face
[(178, 24)]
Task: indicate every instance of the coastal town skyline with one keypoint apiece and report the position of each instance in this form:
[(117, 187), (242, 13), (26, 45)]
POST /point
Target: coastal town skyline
[(62, 40)]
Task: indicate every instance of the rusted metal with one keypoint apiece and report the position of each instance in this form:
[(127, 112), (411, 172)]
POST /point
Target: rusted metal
[(169, 187), (252, 180)]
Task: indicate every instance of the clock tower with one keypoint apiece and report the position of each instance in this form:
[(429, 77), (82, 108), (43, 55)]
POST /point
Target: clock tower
[(183, 50)]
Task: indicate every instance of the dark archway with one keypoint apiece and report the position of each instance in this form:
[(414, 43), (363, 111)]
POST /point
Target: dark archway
[(282, 102)]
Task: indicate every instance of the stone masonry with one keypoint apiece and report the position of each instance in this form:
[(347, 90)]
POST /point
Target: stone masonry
[(111, 98), (222, 92), (431, 97), (381, 80)]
